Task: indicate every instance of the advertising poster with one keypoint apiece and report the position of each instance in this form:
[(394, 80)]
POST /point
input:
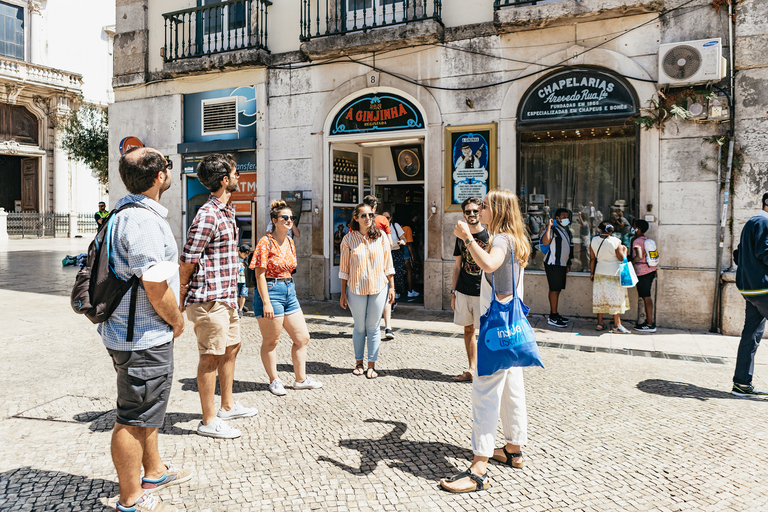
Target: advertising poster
[(470, 163), (341, 218)]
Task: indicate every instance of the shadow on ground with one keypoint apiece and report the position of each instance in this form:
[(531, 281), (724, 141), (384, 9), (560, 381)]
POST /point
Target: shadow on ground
[(685, 390), (238, 386), (428, 460), (106, 421), (27, 488)]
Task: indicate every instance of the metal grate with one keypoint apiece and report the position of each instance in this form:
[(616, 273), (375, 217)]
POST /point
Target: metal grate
[(219, 116)]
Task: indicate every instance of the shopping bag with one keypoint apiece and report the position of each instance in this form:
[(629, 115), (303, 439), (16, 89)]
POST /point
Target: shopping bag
[(506, 337), (627, 274)]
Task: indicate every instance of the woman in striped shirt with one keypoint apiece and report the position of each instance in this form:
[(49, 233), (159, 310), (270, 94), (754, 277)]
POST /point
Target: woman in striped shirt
[(366, 269)]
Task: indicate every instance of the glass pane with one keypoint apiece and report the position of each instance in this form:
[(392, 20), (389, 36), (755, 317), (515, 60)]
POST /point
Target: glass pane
[(590, 172), (353, 5), (237, 16)]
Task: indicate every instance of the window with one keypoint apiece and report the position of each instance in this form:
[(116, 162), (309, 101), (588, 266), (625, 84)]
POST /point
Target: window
[(11, 31), (590, 171)]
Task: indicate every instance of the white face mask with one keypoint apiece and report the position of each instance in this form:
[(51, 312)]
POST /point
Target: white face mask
[(565, 222)]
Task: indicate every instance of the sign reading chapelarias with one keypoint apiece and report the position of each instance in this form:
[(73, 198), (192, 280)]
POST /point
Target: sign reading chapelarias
[(580, 93), (376, 112)]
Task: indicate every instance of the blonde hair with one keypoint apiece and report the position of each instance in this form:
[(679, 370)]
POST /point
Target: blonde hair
[(276, 206), (507, 218)]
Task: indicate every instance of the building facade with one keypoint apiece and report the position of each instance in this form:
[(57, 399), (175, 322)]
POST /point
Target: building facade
[(426, 102), (46, 70)]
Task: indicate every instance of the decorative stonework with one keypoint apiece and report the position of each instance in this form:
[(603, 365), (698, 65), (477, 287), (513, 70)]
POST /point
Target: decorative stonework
[(12, 92), (35, 7), (9, 147)]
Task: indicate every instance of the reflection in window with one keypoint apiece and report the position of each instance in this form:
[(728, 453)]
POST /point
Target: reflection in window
[(11, 31), (589, 171)]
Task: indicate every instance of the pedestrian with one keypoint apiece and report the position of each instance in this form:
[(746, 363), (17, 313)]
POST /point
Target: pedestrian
[(752, 281), (398, 255), (242, 279), (557, 262), (645, 274), (606, 253), (410, 260), (294, 232), (102, 214), (367, 282), (140, 239), (503, 392), (209, 271), (382, 222), (275, 304), (465, 289)]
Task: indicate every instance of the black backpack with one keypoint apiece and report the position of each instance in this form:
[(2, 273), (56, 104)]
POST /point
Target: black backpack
[(98, 291)]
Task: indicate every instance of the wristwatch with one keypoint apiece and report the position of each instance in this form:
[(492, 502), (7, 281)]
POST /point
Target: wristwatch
[(469, 241), (453, 291)]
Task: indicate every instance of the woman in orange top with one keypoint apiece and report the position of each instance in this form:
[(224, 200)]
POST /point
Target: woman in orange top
[(365, 270), (275, 303)]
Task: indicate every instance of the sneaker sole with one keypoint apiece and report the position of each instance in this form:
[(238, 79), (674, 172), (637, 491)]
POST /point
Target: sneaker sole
[(308, 387), (217, 436), (278, 394), (233, 416), (170, 484), (556, 325)]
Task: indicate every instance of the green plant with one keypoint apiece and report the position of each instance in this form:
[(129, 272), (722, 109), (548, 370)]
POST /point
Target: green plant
[(660, 110), (737, 161), (86, 138)]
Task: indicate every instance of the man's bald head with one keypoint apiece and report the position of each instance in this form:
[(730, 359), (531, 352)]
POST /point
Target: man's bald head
[(139, 167)]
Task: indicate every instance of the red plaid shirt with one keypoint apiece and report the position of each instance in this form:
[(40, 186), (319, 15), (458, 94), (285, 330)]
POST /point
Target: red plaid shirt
[(212, 247)]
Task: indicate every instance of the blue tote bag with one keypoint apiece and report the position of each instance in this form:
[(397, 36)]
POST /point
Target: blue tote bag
[(506, 337)]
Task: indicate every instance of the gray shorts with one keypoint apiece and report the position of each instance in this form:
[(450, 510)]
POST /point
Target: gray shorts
[(144, 379)]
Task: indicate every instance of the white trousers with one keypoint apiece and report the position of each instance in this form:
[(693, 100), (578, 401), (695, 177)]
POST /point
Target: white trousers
[(501, 394)]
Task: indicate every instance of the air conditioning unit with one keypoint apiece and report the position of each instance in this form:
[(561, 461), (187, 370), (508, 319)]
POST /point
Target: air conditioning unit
[(691, 62)]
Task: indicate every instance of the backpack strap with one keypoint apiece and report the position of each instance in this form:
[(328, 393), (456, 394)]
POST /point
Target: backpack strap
[(132, 309)]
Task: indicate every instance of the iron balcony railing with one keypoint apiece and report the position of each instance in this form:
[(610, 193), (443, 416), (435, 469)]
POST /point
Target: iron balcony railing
[(332, 17), (216, 28)]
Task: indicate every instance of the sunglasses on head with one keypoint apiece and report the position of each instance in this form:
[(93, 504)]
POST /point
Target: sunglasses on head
[(288, 217), (367, 215), (471, 212)]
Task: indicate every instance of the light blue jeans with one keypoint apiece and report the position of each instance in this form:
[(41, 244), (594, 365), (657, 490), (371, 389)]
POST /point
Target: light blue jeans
[(366, 311)]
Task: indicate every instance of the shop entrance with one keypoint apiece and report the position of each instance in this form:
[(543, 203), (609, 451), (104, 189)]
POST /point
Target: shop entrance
[(393, 171)]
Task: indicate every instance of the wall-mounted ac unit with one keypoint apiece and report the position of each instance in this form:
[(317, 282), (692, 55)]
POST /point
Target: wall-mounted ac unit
[(691, 62)]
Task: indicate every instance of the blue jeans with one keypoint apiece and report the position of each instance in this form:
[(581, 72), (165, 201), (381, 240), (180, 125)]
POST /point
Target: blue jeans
[(366, 311), (282, 296), (754, 326)]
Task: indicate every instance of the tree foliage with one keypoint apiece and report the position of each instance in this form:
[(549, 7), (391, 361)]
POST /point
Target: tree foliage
[(86, 138)]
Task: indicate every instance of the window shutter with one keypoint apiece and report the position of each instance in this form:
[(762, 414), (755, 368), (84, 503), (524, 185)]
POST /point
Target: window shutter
[(219, 116)]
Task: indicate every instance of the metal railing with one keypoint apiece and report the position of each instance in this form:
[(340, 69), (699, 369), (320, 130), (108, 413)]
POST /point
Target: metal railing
[(86, 223), (333, 17), (216, 28), (49, 225), (498, 4)]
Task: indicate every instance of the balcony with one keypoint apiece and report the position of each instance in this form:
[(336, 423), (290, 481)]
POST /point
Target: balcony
[(27, 73), (513, 15), (212, 30), (335, 27)]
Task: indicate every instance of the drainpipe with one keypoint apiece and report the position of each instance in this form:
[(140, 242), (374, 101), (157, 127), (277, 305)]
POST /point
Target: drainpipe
[(714, 326)]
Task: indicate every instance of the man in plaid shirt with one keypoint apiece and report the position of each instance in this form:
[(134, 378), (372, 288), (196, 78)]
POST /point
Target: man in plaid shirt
[(208, 272)]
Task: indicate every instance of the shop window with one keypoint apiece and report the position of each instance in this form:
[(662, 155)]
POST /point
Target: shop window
[(590, 171), (11, 31)]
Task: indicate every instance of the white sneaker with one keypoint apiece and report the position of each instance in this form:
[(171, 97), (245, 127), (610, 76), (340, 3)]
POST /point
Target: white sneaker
[(237, 411), (413, 294), (218, 428), (309, 383), (277, 387)]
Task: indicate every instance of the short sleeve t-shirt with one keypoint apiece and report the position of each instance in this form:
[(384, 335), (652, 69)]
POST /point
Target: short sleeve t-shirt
[(641, 267), (382, 223), (607, 264), (510, 271), (408, 234), (468, 282), (268, 255)]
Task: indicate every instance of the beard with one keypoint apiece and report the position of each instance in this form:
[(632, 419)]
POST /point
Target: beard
[(166, 186), (473, 221), (231, 187)]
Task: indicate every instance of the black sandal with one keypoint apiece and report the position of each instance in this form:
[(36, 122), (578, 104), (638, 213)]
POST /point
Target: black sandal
[(359, 367), (511, 456), (371, 373), (481, 482)]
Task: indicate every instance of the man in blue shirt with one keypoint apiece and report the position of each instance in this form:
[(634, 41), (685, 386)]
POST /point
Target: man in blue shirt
[(140, 238), (752, 281)]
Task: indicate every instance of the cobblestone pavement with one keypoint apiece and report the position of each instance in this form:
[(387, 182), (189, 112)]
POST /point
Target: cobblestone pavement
[(609, 427)]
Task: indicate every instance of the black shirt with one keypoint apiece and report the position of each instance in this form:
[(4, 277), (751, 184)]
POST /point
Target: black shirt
[(469, 271)]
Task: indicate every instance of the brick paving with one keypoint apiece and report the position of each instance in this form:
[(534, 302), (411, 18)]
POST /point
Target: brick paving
[(610, 429)]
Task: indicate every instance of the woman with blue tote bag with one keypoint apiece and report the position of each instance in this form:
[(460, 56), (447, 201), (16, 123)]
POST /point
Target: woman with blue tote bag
[(497, 387)]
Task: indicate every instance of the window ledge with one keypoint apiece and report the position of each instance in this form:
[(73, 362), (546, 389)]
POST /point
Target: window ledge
[(532, 17)]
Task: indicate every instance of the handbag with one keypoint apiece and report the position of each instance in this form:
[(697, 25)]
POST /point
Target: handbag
[(506, 337), (627, 274)]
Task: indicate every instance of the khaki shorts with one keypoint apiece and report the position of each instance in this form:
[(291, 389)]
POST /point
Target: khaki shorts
[(217, 326), (467, 310)]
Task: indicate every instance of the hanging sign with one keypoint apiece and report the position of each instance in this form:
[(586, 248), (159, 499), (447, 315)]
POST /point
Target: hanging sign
[(377, 113), (580, 93)]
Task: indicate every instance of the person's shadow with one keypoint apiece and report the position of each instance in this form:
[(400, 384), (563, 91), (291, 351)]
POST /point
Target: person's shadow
[(27, 488), (685, 390), (238, 386), (105, 421), (422, 459)]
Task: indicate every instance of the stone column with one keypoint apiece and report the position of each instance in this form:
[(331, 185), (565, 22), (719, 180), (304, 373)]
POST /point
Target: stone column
[(73, 224), (36, 32), (3, 224), (61, 170)]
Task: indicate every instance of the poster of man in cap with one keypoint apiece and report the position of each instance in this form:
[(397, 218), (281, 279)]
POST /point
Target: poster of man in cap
[(470, 176)]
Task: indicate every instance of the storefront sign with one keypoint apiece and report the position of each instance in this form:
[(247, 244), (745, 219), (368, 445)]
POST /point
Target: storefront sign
[(129, 143), (470, 165), (377, 112), (583, 93), (245, 161), (246, 187)]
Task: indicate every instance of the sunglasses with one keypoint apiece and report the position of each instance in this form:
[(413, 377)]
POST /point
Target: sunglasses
[(367, 215), (168, 163), (288, 218), (471, 212), (484, 206)]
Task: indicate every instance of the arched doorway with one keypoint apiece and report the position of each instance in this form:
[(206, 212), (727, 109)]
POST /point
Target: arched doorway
[(578, 150)]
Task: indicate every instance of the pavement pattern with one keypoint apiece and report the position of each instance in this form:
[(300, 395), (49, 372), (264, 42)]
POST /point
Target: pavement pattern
[(615, 422)]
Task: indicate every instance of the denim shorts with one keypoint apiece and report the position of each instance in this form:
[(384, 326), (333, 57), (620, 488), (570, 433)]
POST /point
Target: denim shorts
[(282, 296), (242, 290), (406, 253)]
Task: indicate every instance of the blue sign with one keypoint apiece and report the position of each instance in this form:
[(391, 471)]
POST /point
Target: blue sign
[(377, 113), (246, 114), (470, 165)]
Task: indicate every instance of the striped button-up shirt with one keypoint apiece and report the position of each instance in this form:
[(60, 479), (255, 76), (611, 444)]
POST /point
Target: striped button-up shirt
[(141, 238), (212, 246), (365, 263)]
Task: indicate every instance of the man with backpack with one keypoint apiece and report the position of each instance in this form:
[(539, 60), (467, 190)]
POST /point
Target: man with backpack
[(209, 269), (644, 259), (752, 281), (140, 238)]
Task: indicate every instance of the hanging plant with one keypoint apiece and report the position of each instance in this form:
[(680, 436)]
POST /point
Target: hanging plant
[(661, 110)]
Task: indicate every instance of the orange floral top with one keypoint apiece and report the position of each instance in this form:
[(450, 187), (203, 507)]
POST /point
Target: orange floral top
[(268, 255)]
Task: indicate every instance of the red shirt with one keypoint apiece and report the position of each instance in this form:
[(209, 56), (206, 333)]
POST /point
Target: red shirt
[(268, 255), (382, 223)]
